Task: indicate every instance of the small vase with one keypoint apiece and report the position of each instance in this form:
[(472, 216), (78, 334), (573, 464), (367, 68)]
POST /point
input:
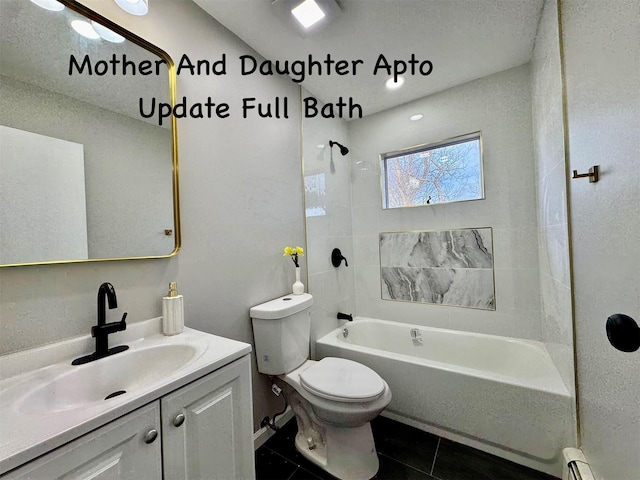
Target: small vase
[(298, 287)]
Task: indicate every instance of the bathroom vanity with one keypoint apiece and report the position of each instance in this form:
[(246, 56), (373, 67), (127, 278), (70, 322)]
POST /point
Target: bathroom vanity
[(174, 407)]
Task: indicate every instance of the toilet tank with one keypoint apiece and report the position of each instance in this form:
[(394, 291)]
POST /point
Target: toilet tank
[(281, 331)]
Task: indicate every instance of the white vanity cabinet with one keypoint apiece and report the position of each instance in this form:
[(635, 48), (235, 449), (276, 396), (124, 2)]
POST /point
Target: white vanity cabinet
[(118, 450), (202, 430), (211, 420)]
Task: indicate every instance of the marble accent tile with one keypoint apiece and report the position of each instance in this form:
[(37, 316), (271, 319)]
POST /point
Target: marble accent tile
[(454, 287), (446, 267), (466, 248)]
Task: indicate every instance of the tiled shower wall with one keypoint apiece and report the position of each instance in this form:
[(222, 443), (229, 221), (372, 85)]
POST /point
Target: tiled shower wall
[(500, 107), (328, 222), (553, 244)]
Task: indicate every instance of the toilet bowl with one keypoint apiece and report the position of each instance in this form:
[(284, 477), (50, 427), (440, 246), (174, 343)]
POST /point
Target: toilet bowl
[(333, 399), (341, 392)]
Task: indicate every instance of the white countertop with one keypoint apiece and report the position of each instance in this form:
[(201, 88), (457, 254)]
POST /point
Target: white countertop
[(26, 434)]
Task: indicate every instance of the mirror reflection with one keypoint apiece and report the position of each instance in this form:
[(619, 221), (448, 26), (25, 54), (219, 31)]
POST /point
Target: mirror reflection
[(84, 176)]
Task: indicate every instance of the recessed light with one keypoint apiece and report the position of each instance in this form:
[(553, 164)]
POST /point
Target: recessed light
[(392, 84), (85, 29), (134, 7), (308, 13), (416, 117), (105, 33), (51, 5), (320, 146), (305, 17)]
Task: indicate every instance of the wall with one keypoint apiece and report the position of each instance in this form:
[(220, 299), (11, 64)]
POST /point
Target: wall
[(328, 222), (500, 106), (128, 182), (241, 203), (601, 59), (43, 183), (551, 173)]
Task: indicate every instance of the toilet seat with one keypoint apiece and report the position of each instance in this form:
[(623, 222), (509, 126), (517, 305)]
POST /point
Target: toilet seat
[(342, 380)]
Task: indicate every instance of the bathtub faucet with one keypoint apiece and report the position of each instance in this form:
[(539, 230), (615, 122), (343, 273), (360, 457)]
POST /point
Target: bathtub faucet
[(345, 316), (415, 333), (337, 257)]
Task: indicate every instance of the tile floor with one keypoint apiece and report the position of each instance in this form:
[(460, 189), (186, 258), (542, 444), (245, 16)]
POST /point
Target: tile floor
[(405, 453)]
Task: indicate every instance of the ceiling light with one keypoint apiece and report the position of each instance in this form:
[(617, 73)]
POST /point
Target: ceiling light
[(105, 33), (416, 117), (392, 84), (52, 5), (307, 17), (85, 29), (134, 7), (308, 13)]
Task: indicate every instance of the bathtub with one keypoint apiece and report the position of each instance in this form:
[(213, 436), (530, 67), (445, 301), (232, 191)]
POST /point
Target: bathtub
[(498, 394)]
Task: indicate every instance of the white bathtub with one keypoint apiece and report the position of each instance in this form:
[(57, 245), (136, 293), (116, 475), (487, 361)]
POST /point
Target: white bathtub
[(498, 394)]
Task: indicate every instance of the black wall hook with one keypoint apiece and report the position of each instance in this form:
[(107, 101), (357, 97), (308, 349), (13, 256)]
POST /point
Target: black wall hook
[(623, 332), (336, 258)]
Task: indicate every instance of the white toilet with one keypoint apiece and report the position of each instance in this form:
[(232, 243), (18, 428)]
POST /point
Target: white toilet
[(333, 399)]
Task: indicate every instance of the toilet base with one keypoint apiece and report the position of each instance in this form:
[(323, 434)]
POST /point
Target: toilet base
[(346, 453)]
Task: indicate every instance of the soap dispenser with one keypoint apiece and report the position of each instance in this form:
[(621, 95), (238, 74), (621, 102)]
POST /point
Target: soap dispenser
[(172, 311)]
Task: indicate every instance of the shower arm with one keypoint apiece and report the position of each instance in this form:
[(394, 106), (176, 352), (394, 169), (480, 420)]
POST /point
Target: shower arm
[(343, 150)]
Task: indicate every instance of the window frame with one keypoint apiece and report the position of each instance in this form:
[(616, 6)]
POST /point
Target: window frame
[(384, 189)]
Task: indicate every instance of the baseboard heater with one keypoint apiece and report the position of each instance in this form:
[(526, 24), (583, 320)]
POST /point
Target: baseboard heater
[(576, 465)]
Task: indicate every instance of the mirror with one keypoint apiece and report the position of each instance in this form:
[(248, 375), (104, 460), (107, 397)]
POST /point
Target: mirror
[(85, 177)]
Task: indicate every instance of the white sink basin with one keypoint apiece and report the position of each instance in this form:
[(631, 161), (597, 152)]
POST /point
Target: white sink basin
[(119, 374), (45, 401)]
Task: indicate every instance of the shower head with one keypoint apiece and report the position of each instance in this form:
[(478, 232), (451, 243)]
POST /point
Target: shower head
[(343, 150)]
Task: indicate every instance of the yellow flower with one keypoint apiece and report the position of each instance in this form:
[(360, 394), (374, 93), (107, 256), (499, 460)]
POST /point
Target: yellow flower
[(294, 253)]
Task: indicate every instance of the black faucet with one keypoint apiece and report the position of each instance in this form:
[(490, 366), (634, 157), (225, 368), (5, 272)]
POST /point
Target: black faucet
[(345, 316), (102, 330), (337, 257)]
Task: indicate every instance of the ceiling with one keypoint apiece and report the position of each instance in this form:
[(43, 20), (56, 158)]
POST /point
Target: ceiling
[(464, 40)]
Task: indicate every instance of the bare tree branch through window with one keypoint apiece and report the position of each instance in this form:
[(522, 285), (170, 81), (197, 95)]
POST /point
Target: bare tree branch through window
[(437, 173)]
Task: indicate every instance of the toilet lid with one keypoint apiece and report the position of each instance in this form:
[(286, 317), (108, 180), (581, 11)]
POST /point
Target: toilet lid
[(343, 380)]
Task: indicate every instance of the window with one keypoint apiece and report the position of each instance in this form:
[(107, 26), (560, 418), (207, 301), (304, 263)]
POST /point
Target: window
[(449, 171)]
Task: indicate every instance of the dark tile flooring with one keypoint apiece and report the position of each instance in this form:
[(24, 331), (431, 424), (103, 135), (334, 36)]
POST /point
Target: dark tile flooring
[(405, 453)]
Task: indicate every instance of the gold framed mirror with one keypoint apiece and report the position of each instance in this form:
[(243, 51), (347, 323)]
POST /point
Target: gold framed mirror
[(85, 177)]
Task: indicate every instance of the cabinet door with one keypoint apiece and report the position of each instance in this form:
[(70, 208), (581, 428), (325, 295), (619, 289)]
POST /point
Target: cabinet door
[(117, 451), (208, 427)]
